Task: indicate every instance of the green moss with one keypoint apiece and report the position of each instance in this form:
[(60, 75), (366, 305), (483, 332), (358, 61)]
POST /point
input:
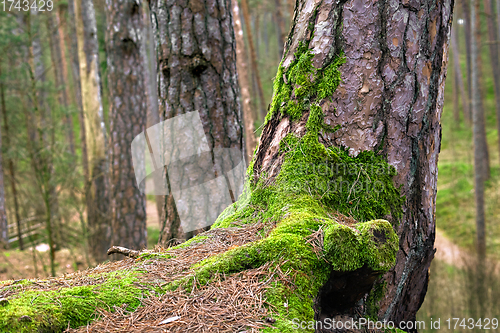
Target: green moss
[(54, 310)]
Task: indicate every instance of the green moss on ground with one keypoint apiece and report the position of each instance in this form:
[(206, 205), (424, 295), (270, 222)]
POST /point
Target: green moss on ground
[(54, 310)]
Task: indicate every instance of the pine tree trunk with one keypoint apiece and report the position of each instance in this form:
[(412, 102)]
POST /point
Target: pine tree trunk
[(253, 57), (280, 26), (485, 164), (389, 101), (128, 114), (196, 57), (97, 196), (59, 64), (457, 69), (478, 129), (468, 31), (4, 225), (10, 163), (153, 118), (495, 65), (248, 117)]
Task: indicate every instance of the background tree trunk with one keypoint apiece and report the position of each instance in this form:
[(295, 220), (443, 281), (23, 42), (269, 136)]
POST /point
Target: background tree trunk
[(4, 225), (253, 57), (153, 117), (468, 31), (248, 117), (196, 57), (390, 100), (97, 196), (478, 128), (280, 26), (457, 69), (128, 114), (58, 64), (481, 126), (495, 65)]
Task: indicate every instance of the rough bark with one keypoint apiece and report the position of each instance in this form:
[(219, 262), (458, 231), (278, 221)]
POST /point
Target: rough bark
[(390, 100), (127, 116), (478, 128), (97, 196), (459, 77), (248, 116), (253, 57), (196, 57)]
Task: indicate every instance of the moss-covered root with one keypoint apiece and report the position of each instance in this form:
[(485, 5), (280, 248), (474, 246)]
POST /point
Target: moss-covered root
[(372, 243), (301, 264)]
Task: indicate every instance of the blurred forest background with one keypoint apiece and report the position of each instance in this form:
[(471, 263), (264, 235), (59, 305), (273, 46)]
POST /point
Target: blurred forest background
[(46, 187)]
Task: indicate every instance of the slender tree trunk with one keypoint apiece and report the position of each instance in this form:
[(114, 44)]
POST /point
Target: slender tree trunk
[(4, 225), (478, 128), (248, 116), (75, 71), (11, 166), (253, 57), (291, 8), (196, 57), (390, 100), (62, 28), (456, 111), (58, 64), (153, 117), (495, 65), (128, 114), (280, 26), (99, 225), (480, 81), (257, 31), (265, 33), (77, 88), (39, 143), (459, 77), (468, 31)]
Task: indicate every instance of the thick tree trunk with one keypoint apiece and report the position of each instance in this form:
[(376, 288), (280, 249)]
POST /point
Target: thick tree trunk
[(459, 77), (196, 57), (99, 226), (389, 101), (248, 116), (253, 57), (128, 114)]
